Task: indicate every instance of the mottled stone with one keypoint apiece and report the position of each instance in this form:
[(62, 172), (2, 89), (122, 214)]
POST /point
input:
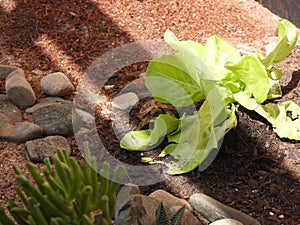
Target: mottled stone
[(5, 70), (11, 111), (187, 218), (6, 126), (56, 84), (169, 200), (18, 90), (46, 102), (55, 119), (137, 207), (214, 210), (82, 119), (24, 131), (39, 149)]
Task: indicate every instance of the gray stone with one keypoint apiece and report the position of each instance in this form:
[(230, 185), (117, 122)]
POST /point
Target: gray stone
[(137, 207), (125, 101), (214, 210), (18, 90), (82, 119), (226, 222), (11, 111), (55, 119), (39, 149), (123, 197), (169, 200), (56, 84), (24, 131), (187, 218), (46, 102), (6, 126), (120, 122), (5, 70)]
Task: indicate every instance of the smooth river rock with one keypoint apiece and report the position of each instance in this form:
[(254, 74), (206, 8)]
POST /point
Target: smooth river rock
[(18, 90), (214, 210), (226, 222), (56, 84)]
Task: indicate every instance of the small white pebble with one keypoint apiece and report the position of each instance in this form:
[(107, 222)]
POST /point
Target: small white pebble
[(281, 216), (271, 213)]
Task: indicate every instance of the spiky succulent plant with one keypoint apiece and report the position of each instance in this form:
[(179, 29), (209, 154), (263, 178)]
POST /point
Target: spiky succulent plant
[(162, 217), (66, 193)]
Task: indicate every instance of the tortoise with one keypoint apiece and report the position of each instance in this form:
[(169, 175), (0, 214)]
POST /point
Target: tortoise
[(151, 109)]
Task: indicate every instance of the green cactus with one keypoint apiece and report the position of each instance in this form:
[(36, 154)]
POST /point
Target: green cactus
[(162, 217), (68, 193)]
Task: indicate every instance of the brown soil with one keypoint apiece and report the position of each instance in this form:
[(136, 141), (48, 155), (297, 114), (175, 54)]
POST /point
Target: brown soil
[(255, 171)]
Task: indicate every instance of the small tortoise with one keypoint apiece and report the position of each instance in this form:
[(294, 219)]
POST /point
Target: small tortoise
[(151, 109)]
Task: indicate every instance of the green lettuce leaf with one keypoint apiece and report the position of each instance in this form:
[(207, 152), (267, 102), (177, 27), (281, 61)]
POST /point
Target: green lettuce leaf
[(176, 79), (146, 139), (215, 54), (287, 39), (284, 117), (199, 135), (251, 73)]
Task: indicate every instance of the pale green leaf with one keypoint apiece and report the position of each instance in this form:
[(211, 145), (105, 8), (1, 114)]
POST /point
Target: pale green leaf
[(284, 117), (215, 54), (145, 139), (287, 39), (252, 73), (177, 79)]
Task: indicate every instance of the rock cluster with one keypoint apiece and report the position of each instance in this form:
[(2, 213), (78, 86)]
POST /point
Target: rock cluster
[(132, 206), (52, 116)]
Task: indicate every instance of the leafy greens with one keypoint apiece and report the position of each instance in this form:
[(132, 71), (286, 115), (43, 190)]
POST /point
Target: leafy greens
[(219, 75)]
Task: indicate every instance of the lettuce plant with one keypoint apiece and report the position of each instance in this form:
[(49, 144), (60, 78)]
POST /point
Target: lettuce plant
[(218, 75)]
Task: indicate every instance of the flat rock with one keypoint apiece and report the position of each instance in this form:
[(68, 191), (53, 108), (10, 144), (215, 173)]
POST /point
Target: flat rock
[(226, 222), (46, 102), (137, 207), (169, 200), (125, 101), (55, 119), (5, 70), (39, 149), (6, 126), (214, 210), (11, 111), (18, 90), (187, 218), (24, 131), (82, 119), (56, 84)]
